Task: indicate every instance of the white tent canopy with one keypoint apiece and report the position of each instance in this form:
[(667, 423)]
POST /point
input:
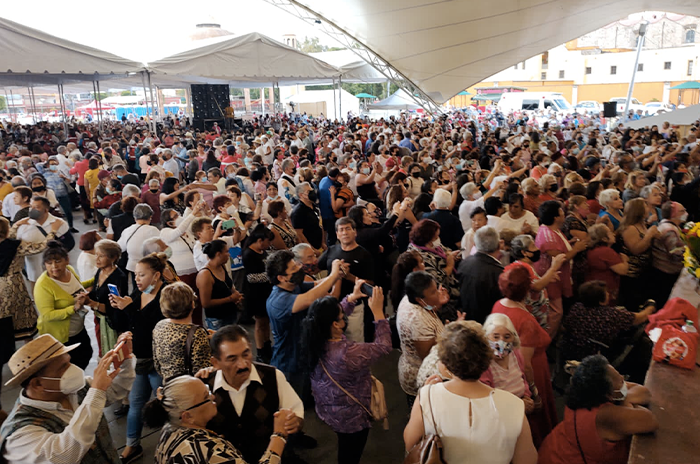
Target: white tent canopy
[(444, 47), (248, 58), (682, 117), (399, 100), (353, 68), (32, 57)]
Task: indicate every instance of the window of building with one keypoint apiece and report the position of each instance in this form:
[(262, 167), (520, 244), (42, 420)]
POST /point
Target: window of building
[(545, 60), (543, 76), (613, 70), (640, 67), (588, 70), (667, 65), (561, 74), (690, 67), (689, 33)]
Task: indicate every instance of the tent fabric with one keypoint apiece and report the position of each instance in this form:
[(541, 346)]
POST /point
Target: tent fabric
[(690, 85), (445, 47), (26, 51), (399, 100), (353, 68), (251, 57), (682, 117)]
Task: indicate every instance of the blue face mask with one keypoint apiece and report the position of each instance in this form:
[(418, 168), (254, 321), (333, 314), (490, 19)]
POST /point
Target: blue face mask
[(428, 307), (204, 179), (149, 289), (353, 165)]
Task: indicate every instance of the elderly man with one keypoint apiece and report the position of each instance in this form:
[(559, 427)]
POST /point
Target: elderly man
[(169, 163), (451, 231), (478, 276), (59, 415), (305, 218), (286, 185)]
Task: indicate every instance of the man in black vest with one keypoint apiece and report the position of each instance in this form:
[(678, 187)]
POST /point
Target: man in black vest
[(248, 394)]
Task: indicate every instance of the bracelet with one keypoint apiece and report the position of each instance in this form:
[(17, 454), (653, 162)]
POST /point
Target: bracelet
[(280, 436)]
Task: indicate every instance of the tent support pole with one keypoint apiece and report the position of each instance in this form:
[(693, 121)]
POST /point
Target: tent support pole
[(94, 94), (145, 94), (7, 104), (31, 104), (150, 88), (14, 114), (262, 100), (340, 97), (188, 90), (99, 104), (63, 110), (335, 104)]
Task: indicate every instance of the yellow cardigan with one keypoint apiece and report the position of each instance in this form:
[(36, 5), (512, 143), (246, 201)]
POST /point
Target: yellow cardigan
[(55, 306)]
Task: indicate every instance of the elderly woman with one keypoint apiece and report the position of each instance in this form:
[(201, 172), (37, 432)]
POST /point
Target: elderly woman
[(635, 182), (156, 245), (179, 346), (612, 206), (594, 326), (652, 196), (418, 325), (667, 251), (636, 240), (185, 406), (532, 192), (602, 413), (285, 235), (107, 317), (515, 284), (576, 228), (132, 237), (60, 300), (524, 252), (439, 260), (604, 263), (507, 368), (340, 369), (549, 188), (552, 242), (495, 430)]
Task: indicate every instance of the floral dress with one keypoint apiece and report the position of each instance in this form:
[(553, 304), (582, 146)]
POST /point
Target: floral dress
[(14, 297), (580, 261)]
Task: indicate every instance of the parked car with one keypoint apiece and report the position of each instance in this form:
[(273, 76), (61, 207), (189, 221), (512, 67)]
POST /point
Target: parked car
[(588, 107), (653, 108), (634, 104), (533, 101)]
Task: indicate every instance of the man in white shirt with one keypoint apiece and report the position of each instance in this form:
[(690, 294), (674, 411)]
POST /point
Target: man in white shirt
[(245, 418), (9, 206), (59, 416), (169, 163), (35, 231)]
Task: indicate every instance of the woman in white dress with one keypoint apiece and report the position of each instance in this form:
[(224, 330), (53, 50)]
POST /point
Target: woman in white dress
[(491, 427)]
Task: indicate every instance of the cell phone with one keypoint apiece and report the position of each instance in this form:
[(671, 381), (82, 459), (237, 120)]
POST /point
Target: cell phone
[(367, 289), (258, 197), (122, 352), (230, 224), (113, 290)]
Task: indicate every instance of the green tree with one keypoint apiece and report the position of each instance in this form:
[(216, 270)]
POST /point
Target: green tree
[(102, 96), (127, 93), (3, 104), (313, 45)]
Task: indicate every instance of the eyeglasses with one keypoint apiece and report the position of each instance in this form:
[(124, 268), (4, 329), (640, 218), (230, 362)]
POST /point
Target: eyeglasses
[(208, 400)]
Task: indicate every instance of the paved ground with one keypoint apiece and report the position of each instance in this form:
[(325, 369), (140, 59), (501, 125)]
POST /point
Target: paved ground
[(383, 446)]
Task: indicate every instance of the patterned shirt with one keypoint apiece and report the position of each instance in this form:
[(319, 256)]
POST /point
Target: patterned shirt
[(169, 345)]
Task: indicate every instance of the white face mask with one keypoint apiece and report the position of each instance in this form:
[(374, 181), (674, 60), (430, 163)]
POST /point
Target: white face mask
[(231, 210), (622, 391), (684, 217), (437, 243), (72, 380)]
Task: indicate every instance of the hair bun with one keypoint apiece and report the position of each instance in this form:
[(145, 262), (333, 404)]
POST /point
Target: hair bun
[(55, 244)]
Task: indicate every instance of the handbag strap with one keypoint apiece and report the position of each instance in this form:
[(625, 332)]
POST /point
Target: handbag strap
[(188, 349), (131, 236), (430, 407), (577, 440), (350, 395)]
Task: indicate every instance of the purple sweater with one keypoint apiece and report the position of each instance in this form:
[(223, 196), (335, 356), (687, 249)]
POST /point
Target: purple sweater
[(349, 364)]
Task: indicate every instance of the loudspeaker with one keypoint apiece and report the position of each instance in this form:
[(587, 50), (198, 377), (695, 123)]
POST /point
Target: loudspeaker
[(609, 109), (210, 101)]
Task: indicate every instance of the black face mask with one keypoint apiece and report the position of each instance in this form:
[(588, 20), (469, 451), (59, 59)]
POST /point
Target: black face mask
[(553, 188), (415, 174), (535, 255), (312, 196), (40, 188), (154, 190), (298, 277)]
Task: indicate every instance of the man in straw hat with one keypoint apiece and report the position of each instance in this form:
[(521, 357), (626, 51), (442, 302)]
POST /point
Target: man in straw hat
[(59, 415)]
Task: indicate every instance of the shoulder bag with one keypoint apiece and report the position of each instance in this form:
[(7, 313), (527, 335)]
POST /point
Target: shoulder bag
[(124, 259), (377, 408), (429, 449)]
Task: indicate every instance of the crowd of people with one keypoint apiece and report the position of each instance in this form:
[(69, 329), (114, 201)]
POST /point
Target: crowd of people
[(487, 255)]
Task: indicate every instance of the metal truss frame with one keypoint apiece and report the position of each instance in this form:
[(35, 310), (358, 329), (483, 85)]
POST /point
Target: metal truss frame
[(333, 30)]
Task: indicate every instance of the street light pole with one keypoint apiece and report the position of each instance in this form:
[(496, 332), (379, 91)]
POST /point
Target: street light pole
[(640, 44)]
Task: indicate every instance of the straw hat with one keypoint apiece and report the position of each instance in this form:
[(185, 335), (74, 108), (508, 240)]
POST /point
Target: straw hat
[(257, 140), (29, 359)]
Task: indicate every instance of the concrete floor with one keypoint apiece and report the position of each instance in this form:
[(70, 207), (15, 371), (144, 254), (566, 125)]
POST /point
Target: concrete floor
[(383, 446)]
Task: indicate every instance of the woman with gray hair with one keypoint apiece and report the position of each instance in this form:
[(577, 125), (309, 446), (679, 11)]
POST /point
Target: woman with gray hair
[(474, 199), (612, 206), (184, 406), (524, 252), (653, 197), (133, 237), (507, 368)]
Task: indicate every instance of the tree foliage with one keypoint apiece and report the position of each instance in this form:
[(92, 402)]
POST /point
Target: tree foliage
[(3, 104), (313, 45), (378, 90), (127, 93)]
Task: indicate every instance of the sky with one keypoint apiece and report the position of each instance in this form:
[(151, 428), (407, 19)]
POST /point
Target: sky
[(146, 30)]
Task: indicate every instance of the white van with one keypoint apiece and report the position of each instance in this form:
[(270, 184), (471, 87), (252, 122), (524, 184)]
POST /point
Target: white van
[(533, 101)]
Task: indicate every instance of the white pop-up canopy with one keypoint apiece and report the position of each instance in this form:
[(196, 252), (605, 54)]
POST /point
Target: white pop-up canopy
[(32, 57), (682, 117), (352, 68), (444, 47), (399, 100), (248, 58)]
